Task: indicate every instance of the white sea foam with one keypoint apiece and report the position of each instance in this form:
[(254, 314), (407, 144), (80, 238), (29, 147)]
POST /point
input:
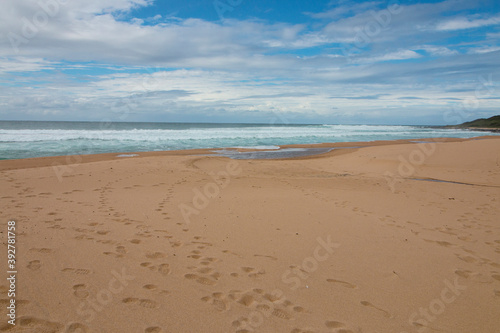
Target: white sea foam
[(158, 135), (22, 143)]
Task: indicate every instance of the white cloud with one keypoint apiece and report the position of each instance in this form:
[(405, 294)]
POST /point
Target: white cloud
[(436, 50), (23, 64), (229, 67), (484, 49), (398, 55), (495, 35), (462, 23), (342, 10), (91, 32)]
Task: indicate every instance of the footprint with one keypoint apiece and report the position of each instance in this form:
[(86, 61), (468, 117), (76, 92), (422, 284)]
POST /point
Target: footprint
[(282, 314), (343, 283), (265, 256), (200, 279), (246, 300), (211, 259), (272, 297), (19, 302), (116, 255), (153, 329), (263, 307), (205, 270), (121, 249), (205, 281), (77, 328), (442, 243), (463, 273), (77, 271), (32, 324), (150, 286), (41, 250), (155, 255), (257, 274), (80, 291), (129, 300), (334, 324), (302, 330), (164, 269), (145, 303), (191, 276), (34, 265), (218, 301), (148, 304), (467, 259), (298, 309), (242, 321), (496, 277)]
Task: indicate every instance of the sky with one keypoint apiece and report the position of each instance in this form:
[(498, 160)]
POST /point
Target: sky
[(286, 61)]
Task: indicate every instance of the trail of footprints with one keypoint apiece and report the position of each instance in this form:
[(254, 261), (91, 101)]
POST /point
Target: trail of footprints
[(203, 273), (465, 236), (269, 304), (33, 324), (163, 268)]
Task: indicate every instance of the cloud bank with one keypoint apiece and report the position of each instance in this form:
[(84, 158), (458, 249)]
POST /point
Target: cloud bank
[(95, 60)]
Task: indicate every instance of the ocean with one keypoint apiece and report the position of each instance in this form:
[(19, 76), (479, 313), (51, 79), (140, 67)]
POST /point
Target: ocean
[(25, 139)]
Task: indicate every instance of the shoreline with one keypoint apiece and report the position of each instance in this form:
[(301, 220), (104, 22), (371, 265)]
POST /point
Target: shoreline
[(33, 162), (478, 129)]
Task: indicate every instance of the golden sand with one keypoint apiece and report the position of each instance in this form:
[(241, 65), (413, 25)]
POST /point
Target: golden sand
[(396, 237)]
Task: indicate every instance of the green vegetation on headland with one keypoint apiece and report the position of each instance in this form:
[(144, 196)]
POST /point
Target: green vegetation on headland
[(482, 124)]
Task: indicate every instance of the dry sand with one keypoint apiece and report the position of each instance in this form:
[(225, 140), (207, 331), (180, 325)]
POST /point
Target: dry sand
[(347, 241)]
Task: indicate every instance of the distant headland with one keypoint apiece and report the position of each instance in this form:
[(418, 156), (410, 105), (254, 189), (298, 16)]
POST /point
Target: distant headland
[(489, 125)]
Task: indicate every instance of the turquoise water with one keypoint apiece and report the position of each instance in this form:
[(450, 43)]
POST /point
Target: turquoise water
[(24, 139)]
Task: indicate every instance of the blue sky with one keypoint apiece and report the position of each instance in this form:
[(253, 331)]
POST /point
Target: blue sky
[(348, 62)]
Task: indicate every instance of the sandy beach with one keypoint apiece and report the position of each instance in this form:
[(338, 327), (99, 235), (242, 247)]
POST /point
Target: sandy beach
[(395, 237)]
